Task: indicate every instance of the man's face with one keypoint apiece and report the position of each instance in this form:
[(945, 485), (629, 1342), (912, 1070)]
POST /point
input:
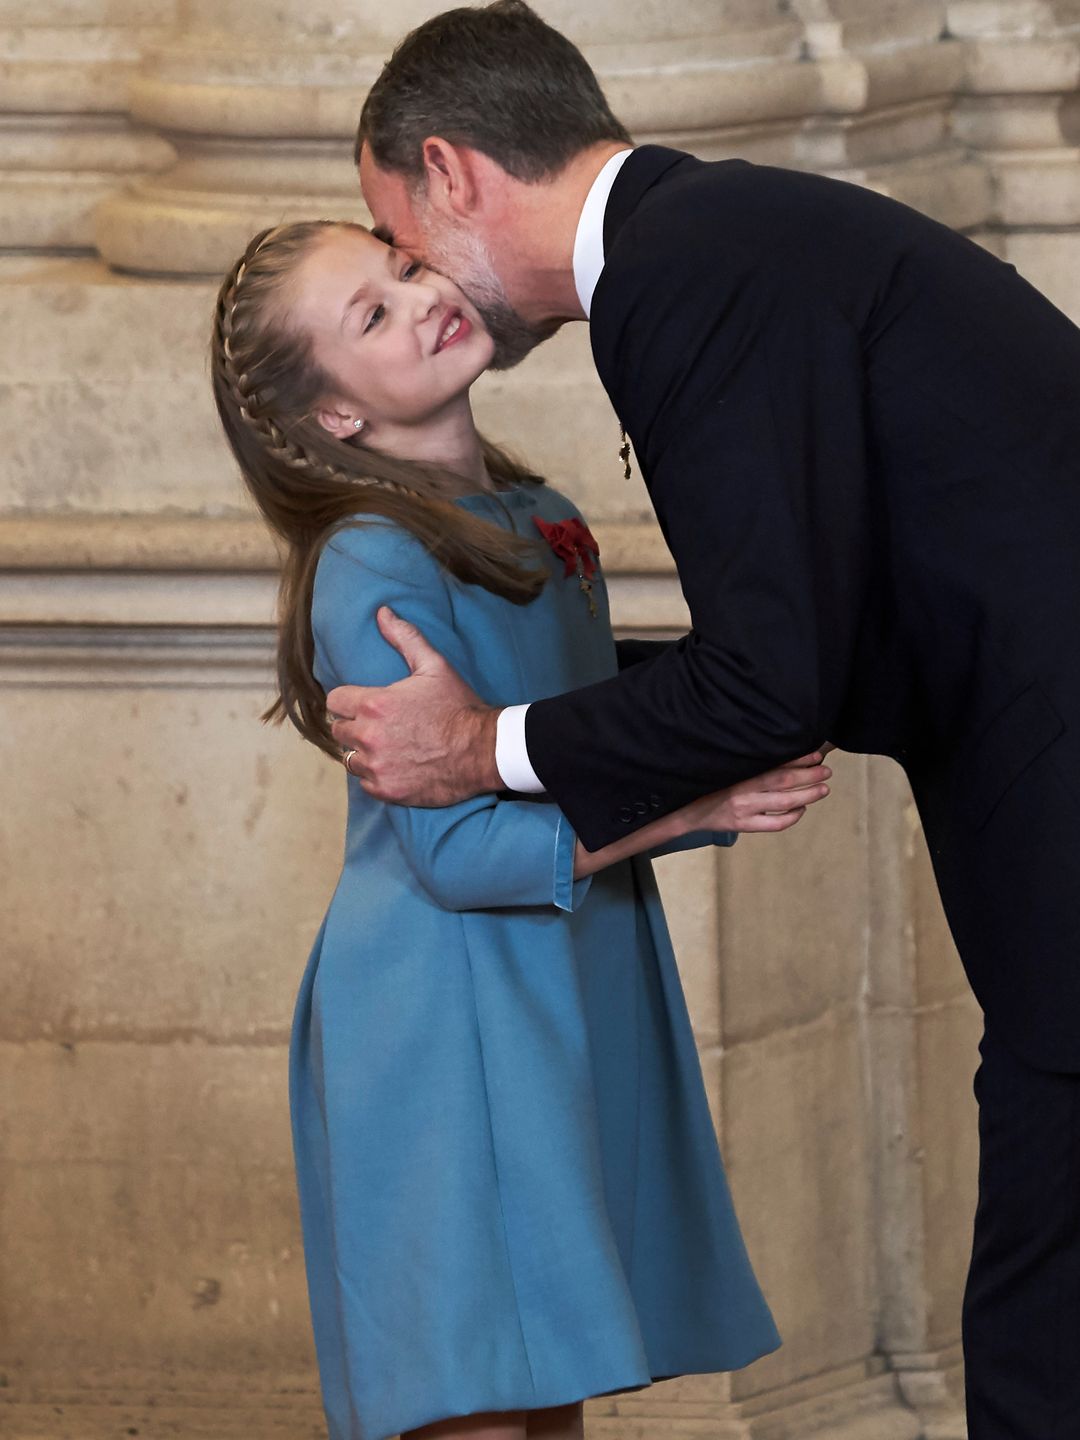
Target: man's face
[(389, 198), (404, 217)]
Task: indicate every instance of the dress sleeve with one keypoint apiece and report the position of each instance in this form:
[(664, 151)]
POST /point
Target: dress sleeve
[(695, 840), (487, 852)]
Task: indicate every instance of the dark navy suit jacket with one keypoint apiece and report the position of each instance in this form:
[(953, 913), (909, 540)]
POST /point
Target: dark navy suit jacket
[(861, 435)]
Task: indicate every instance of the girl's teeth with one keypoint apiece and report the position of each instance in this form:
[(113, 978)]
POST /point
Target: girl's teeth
[(452, 328)]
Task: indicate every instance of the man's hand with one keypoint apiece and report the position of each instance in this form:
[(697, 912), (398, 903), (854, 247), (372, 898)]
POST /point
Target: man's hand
[(428, 740)]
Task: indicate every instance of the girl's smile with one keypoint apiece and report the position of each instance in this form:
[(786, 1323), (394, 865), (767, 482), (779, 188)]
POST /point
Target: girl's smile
[(457, 328)]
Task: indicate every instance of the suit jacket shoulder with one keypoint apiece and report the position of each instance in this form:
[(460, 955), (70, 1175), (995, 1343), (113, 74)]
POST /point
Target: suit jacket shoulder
[(693, 249)]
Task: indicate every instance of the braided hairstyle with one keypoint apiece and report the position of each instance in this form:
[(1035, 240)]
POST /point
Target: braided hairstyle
[(307, 483)]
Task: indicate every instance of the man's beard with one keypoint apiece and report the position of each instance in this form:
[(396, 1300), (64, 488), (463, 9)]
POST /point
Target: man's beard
[(467, 261)]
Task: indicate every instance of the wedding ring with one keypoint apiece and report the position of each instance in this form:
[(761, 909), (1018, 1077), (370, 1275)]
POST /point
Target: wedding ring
[(345, 761)]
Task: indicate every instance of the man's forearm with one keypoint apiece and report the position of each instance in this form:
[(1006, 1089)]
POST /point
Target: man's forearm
[(661, 735), (511, 750)]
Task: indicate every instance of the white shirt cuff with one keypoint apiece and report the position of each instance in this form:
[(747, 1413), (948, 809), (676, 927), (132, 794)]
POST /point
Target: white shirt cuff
[(511, 752)]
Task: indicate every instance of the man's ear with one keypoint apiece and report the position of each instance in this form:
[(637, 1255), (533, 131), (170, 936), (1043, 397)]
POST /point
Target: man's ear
[(339, 420), (450, 177)]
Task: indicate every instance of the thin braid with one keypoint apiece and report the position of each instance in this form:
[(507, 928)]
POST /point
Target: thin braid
[(267, 387), (264, 427)]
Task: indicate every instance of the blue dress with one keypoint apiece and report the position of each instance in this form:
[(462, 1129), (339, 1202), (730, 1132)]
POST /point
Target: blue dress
[(510, 1187)]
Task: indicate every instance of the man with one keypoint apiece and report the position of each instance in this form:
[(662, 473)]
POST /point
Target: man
[(861, 436)]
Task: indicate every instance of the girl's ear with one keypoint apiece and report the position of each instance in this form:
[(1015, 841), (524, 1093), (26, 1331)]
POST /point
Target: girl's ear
[(339, 420)]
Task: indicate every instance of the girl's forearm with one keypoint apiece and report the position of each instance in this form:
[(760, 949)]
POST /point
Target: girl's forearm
[(649, 837)]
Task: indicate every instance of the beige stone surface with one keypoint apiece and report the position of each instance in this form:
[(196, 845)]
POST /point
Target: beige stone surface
[(923, 1027), (171, 858), (948, 1037), (154, 1215), (65, 142), (689, 892), (125, 365), (114, 1415), (174, 865), (69, 543), (1051, 261), (228, 96), (793, 926), (796, 1142)]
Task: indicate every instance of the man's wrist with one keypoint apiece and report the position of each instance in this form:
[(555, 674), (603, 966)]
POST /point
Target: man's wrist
[(512, 761), (483, 721)]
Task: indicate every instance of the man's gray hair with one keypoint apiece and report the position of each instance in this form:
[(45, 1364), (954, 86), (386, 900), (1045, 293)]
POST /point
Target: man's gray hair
[(496, 78)]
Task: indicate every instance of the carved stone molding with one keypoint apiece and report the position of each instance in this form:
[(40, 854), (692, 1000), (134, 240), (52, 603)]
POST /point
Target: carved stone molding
[(855, 1404), (65, 136), (122, 657), (263, 132), (1019, 104), (151, 570), (149, 543)]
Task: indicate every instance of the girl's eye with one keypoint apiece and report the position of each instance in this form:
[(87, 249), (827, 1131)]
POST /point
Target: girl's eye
[(379, 312)]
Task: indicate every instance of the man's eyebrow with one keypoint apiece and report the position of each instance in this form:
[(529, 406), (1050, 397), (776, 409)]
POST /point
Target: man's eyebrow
[(384, 233)]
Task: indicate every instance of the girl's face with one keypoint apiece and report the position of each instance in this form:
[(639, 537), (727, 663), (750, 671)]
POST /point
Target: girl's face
[(401, 343)]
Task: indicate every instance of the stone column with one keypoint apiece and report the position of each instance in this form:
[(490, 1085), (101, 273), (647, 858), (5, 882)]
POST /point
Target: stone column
[(66, 137), (1019, 106), (923, 1027), (798, 1123), (262, 107), (888, 74)]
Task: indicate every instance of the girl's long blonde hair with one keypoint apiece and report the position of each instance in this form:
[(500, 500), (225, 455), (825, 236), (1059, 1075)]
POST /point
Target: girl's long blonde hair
[(307, 483)]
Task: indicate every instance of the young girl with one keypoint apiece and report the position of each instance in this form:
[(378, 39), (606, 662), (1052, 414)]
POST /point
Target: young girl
[(510, 1188)]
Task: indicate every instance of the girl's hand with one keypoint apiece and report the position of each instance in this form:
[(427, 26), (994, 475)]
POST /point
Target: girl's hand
[(776, 800)]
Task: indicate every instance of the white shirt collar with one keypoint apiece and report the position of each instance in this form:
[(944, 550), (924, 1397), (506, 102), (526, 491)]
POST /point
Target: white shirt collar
[(589, 240)]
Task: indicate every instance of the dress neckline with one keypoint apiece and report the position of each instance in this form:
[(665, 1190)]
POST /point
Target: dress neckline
[(519, 494)]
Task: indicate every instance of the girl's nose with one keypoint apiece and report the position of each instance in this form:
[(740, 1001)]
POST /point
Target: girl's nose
[(426, 299)]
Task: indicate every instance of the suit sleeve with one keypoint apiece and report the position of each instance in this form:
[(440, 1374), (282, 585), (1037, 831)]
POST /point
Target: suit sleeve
[(754, 454), (632, 651), (487, 852)]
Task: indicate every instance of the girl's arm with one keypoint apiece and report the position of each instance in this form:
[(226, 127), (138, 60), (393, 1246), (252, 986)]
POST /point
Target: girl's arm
[(486, 852), (774, 801)]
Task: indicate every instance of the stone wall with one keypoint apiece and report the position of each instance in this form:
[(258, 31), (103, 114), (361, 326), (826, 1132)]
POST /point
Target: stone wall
[(168, 859)]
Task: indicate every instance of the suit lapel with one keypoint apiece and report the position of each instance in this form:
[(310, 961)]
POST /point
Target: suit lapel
[(640, 172)]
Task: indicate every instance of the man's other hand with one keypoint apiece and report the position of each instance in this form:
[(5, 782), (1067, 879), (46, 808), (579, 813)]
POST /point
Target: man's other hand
[(428, 740)]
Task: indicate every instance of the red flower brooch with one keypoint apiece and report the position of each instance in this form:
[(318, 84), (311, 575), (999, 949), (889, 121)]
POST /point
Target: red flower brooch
[(573, 543)]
